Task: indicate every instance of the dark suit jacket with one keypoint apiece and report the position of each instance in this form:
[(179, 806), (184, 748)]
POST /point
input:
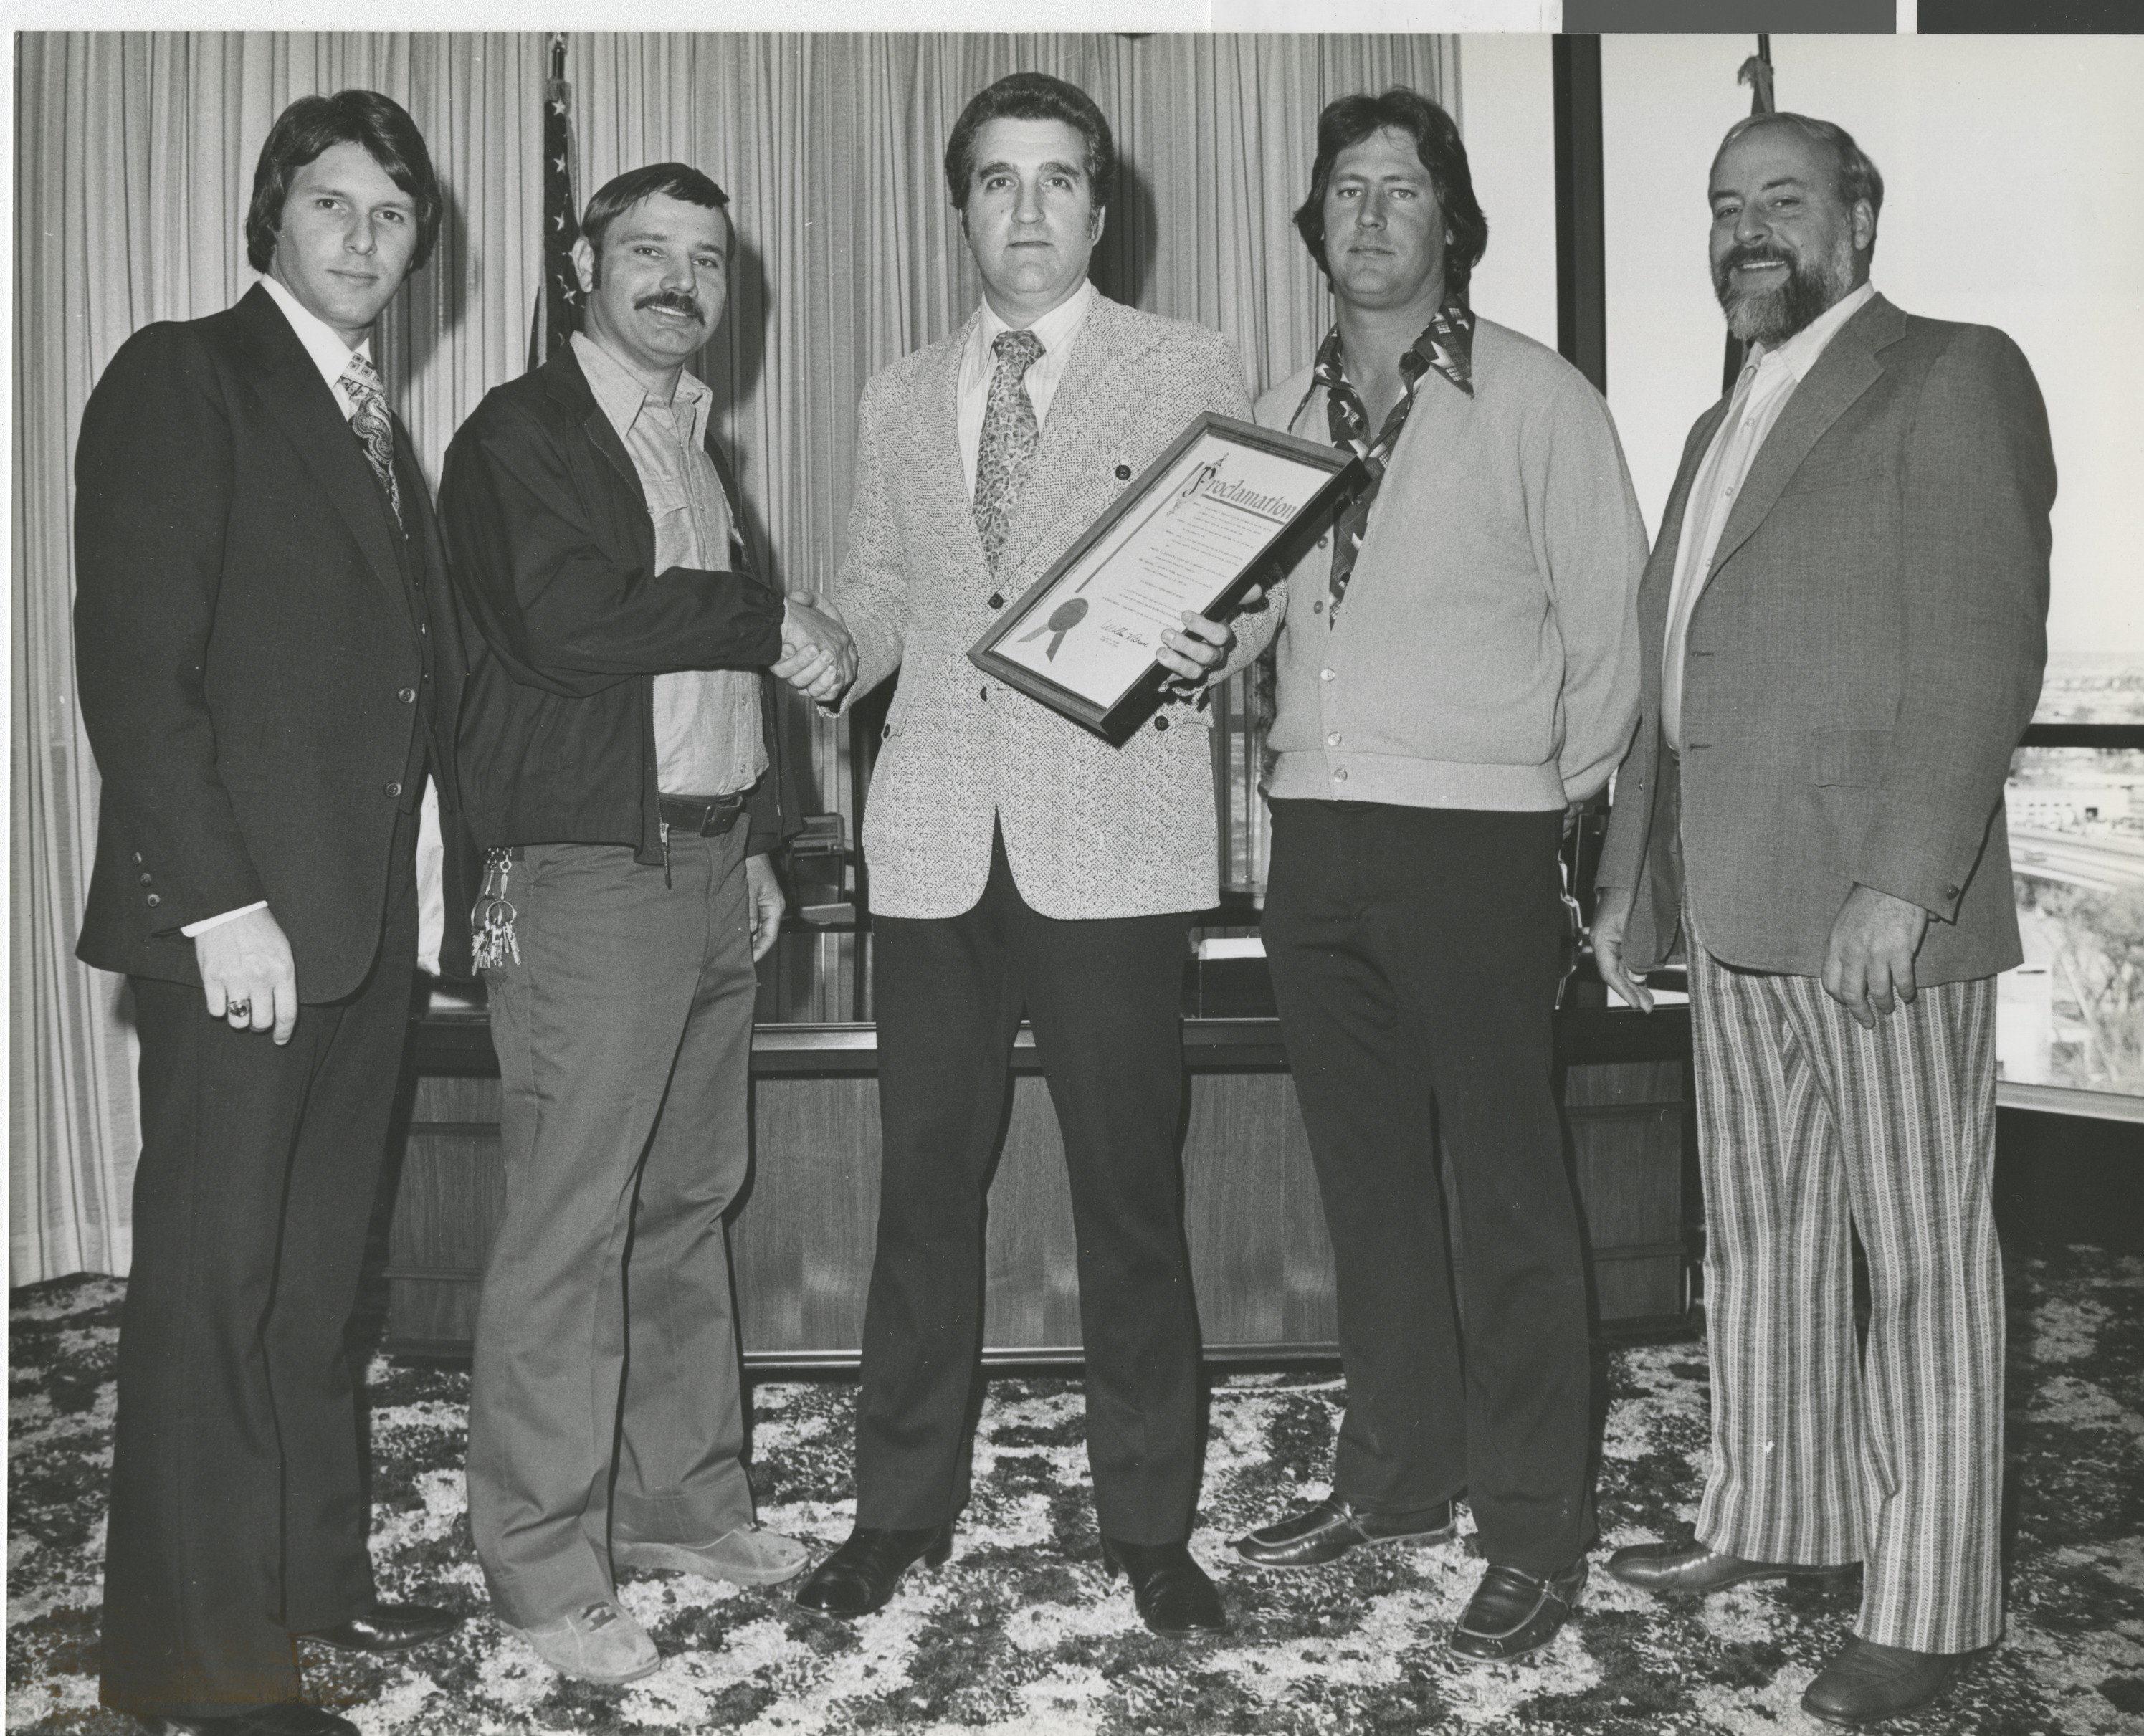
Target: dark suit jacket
[(243, 643), (1860, 665), (569, 623)]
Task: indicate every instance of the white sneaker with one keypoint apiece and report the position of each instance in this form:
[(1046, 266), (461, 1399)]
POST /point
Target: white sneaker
[(599, 1644), (746, 1556)]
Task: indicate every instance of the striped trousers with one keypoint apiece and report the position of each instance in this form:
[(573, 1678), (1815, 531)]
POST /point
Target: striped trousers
[(1811, 1131)]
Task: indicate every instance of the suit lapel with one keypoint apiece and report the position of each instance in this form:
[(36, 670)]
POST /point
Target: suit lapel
[(1089, 385), (1846, 370), (938, 419), (299, 401), (1657, 586)]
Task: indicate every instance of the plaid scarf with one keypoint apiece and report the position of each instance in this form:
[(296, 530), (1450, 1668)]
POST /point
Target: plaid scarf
[(1445, 347)]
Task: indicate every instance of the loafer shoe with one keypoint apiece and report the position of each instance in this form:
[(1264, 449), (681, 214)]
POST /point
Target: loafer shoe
[(286, 1717), (600, 1643), (865, 1572), (1868, 1682), (1327, 1531), (1512, 1613), (746, 1556), (389, 1628), (1170, 1591), (1692, 1567)]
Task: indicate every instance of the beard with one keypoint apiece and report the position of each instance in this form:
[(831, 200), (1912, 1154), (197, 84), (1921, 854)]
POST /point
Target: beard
[(1771, 316)]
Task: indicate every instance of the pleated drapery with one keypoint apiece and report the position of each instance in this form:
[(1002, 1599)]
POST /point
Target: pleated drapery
[(134, 162)]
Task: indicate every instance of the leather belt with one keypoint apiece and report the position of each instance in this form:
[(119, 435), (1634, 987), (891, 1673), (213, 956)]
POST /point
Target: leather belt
[(708, 818)]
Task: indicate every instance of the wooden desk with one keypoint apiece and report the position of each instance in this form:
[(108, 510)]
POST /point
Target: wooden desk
[(800, 1239)]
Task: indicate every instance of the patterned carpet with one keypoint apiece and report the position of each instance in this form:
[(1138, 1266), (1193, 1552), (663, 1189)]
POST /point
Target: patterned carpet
[(1021, 1633)]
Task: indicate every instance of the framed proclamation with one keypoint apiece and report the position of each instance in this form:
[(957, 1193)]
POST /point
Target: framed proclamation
[(1229, 506)]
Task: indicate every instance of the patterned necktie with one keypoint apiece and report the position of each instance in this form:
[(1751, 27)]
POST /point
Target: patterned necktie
[(361, 381), (1011, 436), (1445, 347)]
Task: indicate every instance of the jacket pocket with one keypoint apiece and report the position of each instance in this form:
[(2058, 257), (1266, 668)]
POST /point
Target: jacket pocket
[(1856, 758)]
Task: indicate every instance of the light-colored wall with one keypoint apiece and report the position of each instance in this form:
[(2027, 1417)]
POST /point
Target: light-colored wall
[(1507, 116), (2014, 176)]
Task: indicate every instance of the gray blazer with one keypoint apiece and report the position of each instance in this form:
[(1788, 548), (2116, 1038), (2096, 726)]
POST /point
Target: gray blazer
[(1091, 831), (1860, 665)]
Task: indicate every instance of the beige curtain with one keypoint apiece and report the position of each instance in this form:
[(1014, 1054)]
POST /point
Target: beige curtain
[(134, 164), (134, 161)]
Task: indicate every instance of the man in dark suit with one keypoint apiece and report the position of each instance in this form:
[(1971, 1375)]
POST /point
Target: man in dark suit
[(1844, 627), (269, 669)]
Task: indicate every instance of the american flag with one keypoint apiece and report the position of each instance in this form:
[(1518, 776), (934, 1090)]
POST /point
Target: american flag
[(557, 313)]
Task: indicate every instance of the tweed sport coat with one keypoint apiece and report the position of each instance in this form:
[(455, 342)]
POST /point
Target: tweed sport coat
[(1860, 664), (1091, 831)]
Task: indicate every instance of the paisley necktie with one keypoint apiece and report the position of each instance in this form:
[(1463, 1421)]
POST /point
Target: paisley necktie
[(1011, 436), (361, 381)]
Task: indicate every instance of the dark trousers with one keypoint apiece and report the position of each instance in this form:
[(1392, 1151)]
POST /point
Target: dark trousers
[(1415, 953), (1103, 997), (236, 1518)]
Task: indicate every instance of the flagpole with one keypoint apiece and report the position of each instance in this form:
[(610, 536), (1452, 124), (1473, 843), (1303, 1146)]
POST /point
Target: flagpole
[(1756, 72), (557, 313)]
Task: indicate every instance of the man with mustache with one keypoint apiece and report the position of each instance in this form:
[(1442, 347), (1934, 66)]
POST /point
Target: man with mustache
[(620, 748), (1017, 860), (1844, 623), (1457, 668)]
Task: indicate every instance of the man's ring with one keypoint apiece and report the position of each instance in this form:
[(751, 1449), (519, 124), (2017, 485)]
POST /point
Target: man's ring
[(239, 1008)]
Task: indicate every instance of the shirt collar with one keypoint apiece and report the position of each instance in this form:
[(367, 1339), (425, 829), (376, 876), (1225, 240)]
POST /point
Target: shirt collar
[(622, 397), (1451, 329), (1054, 328), (1800, 352), (323, 342)]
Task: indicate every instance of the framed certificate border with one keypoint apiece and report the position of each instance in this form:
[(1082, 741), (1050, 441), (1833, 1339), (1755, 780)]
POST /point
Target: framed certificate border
[(1119, 706)]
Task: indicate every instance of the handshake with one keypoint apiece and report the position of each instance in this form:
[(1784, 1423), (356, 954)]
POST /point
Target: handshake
[(818, 656)]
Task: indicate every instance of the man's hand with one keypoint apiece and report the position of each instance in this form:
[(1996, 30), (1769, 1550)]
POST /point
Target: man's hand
[(247, 976), (1868, 965), (818, 656), (762, 891), (1611, 916), (1192, 656)]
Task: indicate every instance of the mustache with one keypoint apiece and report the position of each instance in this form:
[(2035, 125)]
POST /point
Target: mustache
[(678, 301)]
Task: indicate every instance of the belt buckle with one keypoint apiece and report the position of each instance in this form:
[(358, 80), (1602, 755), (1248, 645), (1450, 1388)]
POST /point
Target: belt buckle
[(711, 817)]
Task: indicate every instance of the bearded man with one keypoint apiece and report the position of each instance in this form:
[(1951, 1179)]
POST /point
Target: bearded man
[(1844, 626)]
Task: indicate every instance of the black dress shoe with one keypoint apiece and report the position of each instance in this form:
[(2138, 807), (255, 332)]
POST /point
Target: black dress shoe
[(1328, 1530), (1867, 1683), (389, 1628), (1171, 1590), (287, 1717), (865, 1572), (1692, 1567), (1512, 1613)]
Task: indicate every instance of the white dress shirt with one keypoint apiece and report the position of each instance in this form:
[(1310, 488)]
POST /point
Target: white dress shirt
[(1767, 381), (324, 343), (979, 364)]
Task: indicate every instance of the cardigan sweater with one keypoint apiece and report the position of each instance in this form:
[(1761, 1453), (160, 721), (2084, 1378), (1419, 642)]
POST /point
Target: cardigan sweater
[(1487, 654)]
